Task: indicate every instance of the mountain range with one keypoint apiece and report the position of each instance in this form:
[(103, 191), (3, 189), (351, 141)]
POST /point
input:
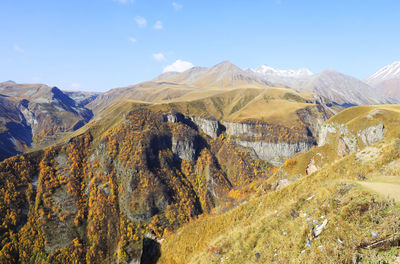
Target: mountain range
[(387, 80), (208, 165)]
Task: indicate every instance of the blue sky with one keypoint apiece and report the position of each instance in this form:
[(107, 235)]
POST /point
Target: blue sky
[(96, 45)]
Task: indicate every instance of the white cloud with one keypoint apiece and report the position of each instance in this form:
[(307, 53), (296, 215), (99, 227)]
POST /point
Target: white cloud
[(124, 1), (159, 57), (141, 21), (75, 85), (178, 66), (17, 48), (36, 79), (158, 25), (177, 6), (132, 39)]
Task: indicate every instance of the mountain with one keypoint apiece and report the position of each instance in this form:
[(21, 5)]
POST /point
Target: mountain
[(208, 165), (107, 192), (15, 133), (222, 75), (337, 87), (342, 89), (270, 72), (333, 204), (45, 111), (387, 80), (82, 98), (195, 83)]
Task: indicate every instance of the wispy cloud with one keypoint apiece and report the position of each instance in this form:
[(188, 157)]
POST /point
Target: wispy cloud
[(159, 57), (141, 21), (158, 25), (177, 6), (132, 39), (124, 1), (178, 66), (17, 48)]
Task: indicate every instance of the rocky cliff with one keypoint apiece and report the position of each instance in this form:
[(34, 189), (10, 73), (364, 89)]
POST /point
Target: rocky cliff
[(97, 197), (42, 113)]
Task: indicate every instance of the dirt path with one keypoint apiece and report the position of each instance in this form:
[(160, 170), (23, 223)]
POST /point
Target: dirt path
[(390, 190)]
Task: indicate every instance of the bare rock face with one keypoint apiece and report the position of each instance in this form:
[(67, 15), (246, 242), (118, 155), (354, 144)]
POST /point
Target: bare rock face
[(346, 136), (371, 134), (274, 153), (211, 128), (347, 140), (184, 148), (326, 129), (315, 117), (172, 118), (282, 183), (342, 149), (262, 140), (241, 129), (311, 167)]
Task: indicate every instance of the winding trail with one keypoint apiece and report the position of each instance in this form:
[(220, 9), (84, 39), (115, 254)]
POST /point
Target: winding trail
[(391, 190)]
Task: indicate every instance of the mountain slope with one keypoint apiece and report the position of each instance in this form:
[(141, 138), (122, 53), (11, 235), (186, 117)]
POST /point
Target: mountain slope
[(15, 133), (289, 78), (137, 172), (194, 83), (343, 89), (327, 216), (222, 75), (387, 80), (82, 98), (45, 111), (272, 72)]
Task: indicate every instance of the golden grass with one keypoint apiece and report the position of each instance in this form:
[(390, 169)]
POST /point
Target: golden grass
[(274, 225)]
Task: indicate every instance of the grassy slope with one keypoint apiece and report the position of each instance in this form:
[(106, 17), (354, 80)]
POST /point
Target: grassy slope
[(237, 105), (244, 104), (275, 224)]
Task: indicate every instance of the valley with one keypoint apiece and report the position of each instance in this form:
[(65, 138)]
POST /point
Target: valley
[(207, 165)]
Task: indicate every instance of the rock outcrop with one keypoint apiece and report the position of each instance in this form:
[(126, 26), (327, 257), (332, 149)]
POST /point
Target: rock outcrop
[(211, 128), (274, 153), (347, 140), (372, 134), (262, 140), (184, 148)]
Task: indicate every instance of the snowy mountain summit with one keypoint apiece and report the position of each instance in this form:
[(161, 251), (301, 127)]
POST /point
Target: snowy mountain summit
[(391, 71), (272, 72)]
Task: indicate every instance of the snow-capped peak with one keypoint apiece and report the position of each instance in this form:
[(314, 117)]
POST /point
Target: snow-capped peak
[(391, 71), (269, 71)]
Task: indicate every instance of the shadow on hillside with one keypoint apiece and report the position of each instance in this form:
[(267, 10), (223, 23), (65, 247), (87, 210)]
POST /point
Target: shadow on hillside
[(151, 251)]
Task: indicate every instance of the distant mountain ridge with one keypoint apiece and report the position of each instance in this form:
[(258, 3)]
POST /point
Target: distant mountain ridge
[(270, 72), (342, 89), (224, 74), (194, 83), (337, 87), (36, 113), (387, 80)]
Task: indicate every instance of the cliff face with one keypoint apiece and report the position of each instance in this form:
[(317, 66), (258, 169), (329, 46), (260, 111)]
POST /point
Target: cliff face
[(96, 199), (274, 153), (111, 194), (268, 142), (349, 140), (34, 114)]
